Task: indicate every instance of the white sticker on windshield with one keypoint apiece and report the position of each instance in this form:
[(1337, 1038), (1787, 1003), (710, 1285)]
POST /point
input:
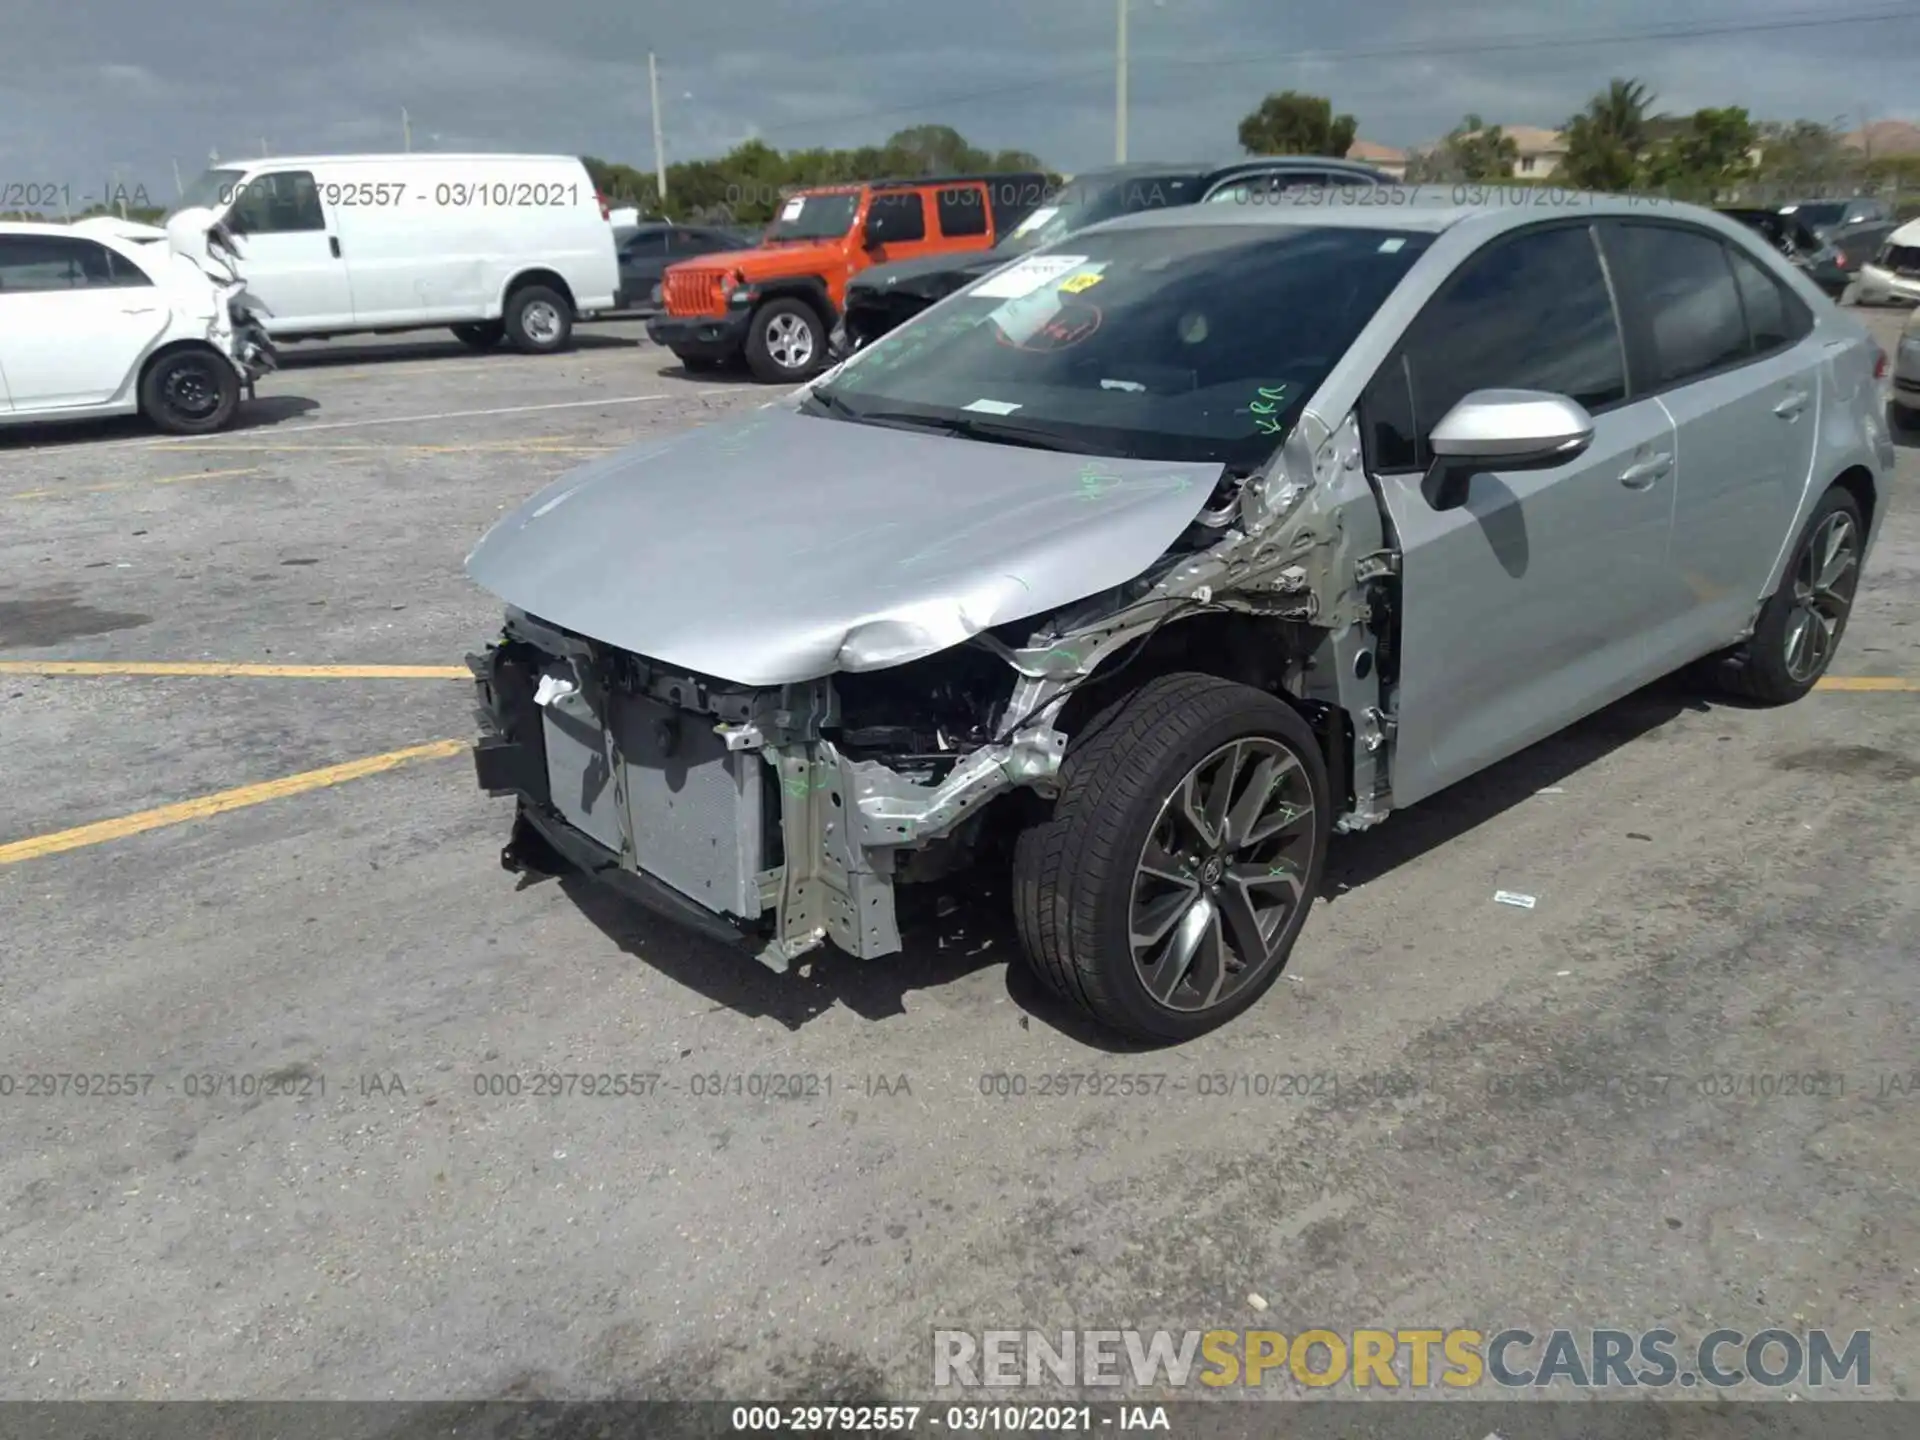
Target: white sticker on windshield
[(1026, 276), (1387, 247), (791, 210), (992, 407), (1036, 220), (1021, 319)]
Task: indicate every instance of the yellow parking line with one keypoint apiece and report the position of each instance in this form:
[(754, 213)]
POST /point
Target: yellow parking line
[(235, 670), (1868, 682), (220, 802), (132, 484)]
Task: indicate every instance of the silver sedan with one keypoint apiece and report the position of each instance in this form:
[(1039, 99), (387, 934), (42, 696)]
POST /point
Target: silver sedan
[(1148, 561)]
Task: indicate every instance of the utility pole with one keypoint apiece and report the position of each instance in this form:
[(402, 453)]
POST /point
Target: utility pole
[(659, 149), (264, 152), (178, 188), (406, 131), (1120, 89)]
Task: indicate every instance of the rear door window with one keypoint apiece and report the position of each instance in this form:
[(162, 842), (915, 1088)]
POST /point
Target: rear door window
[(1775, 319), (38, 263), (1678, 289), (961, 210), (1529, 312)]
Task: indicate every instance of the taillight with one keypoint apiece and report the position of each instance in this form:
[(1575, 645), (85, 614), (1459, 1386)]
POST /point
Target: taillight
[(605, 212), (1879, 363), (1840, 258)]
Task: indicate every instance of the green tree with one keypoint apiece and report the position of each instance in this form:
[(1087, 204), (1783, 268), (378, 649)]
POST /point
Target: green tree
[(1472, 150), (1709, 154), (1290, 123), (1606, 140), (1798, 155)]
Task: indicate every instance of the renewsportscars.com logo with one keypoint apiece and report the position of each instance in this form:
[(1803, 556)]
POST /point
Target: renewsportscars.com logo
[(1399, 1359)]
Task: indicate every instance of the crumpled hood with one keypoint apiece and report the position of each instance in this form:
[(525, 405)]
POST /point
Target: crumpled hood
[(784, 546), (933, 275)]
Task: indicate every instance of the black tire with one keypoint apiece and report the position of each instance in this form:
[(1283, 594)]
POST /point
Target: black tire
[(1761, 668), (539, 320), (190, 392), (1074, 873), (482, 336), (776, 329)]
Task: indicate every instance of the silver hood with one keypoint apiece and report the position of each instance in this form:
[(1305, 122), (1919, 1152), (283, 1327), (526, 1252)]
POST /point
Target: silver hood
[(784, 546)]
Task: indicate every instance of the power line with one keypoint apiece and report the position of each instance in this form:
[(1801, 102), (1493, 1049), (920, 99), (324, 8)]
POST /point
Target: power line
[(1421, 48)]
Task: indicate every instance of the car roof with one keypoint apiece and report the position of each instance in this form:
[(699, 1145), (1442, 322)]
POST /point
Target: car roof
[(1429, 208), (1263, 164)]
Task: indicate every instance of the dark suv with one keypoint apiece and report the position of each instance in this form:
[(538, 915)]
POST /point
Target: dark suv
[(888, 295)]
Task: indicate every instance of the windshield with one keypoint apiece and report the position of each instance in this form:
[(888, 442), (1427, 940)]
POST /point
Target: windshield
[(1194, 343), (213, 190), (815, 217), (1813, 216), (1083, 203)]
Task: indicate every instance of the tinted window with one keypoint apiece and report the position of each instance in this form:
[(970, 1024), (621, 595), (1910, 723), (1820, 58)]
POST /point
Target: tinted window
[(693, 242), (1252, 189), (961, 212), (60, 262), (1191, 343), (898, 217), (1774, 318), (1532, 312), (645, 245), (277, 204), (1681, 286)]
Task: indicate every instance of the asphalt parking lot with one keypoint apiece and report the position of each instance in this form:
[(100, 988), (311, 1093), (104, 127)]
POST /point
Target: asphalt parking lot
[(274, 888)]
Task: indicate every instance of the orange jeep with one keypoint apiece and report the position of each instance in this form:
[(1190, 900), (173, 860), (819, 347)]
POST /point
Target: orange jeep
[(777, 303)]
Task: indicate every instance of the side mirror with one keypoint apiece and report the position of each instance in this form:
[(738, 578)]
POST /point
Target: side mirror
[(1505, 429), (1502, 430)]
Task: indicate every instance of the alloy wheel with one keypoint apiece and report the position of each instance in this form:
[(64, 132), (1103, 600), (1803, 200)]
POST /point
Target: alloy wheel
[(1222, 872), (1824, 577), (790, 341)]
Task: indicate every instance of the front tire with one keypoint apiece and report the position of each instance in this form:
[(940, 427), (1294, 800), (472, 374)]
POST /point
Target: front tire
[(1800, 626), (1164, 894), (483, 336), (190, 392), (539, 320), (786, 343)]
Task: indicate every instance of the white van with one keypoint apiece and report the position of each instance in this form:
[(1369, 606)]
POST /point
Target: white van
[(495, 246)]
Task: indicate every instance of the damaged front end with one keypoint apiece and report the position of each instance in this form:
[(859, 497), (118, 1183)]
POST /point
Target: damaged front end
[(782, 815)]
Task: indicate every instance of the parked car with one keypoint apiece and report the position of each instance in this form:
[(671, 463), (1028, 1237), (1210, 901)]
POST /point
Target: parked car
[(886, 296), (94, 324), (1099, 565), (1837, 262), (1820, 218), (1894, 273), (777, 303), (648, 249), (513, 247), (1905, 409)]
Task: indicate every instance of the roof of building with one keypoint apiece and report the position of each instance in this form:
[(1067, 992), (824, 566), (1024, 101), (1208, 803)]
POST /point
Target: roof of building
[(1885, 137), (1369, 151)]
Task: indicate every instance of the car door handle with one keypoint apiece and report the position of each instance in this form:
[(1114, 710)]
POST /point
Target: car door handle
[(333, 244), (139, 309), (1639, 476), (1791, 405)]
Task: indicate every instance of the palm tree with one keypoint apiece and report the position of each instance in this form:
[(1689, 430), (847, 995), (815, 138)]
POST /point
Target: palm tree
[(1605, 141)]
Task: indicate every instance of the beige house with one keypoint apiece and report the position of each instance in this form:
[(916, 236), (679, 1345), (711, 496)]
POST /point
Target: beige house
[(1381, 157), (1539, 151), (1884, 139)]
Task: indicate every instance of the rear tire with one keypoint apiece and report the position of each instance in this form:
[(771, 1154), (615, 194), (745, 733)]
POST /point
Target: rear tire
[(1801, 624), (539, 320), (786, 343), (190, 392), (482, 336), (1140, 915)]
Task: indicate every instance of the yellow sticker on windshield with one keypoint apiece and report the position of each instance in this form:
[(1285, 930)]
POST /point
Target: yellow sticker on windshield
[(1074, 284)]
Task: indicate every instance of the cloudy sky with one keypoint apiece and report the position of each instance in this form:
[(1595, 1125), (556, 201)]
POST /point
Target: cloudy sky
[(91, 89)]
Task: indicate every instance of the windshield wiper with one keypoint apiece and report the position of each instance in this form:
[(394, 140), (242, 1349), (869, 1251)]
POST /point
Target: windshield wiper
[(833, 404), (968, 427)]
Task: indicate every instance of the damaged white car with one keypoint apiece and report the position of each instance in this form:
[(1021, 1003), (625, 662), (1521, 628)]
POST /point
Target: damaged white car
[(94, 322), (1151, 560)]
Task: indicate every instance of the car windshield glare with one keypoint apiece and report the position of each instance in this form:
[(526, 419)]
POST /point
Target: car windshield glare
[(815, 217), (1188, 343)]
